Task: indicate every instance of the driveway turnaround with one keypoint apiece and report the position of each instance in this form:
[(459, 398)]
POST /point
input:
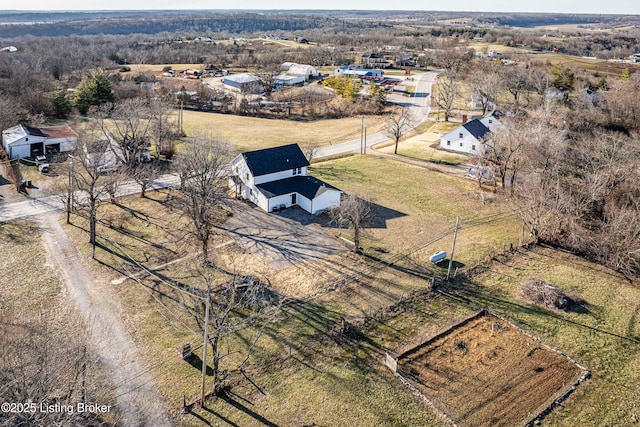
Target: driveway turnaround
[(280, 242)]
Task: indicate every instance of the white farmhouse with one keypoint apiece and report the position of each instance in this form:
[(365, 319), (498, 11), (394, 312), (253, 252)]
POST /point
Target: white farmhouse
[(276, 178), (26, 141), (471, 137)]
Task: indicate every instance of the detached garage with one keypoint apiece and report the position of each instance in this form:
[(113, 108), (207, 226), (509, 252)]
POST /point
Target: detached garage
[(25, 141)]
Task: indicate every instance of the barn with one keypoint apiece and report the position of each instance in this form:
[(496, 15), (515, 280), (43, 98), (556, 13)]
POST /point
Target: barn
[(24, 141), (243, 83)]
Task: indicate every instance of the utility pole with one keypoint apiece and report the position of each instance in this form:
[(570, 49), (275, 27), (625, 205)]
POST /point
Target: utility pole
[(362, 150), (453, 248), (206, 342), (69, 192), (365, 140)]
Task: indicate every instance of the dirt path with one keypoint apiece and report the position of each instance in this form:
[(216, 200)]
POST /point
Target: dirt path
[(138, 402)]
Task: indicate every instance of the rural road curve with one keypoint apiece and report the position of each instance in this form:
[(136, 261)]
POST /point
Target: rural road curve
[(137, 401), (419, 106)]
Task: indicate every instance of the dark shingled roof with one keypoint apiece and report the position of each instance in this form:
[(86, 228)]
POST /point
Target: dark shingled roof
[(308, 186), (476, 128), (276, 159)]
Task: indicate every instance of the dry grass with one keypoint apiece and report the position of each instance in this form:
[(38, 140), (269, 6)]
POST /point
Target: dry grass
[(487, 373), (27, 279), (414, 205), (423, 147), (250, 133)]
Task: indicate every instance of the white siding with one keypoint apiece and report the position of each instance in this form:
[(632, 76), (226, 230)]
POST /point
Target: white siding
[(285, 199), (22, 146), (239, 167), (278, 175), (17, 150), (453, 142), (327, 200), (491, 122), (66, 144), (303, 202)]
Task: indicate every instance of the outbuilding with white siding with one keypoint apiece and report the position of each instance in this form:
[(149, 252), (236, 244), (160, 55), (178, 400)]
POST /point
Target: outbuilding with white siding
[(24, 141)]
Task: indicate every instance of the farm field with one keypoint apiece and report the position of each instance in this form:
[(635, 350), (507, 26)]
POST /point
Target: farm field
[(250, 133), (604, 335), (487, 373)]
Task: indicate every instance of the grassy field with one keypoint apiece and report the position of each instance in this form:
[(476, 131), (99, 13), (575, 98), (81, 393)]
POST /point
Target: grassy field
[(302, 374), (415, 204), (250, 133), (27, 279), (305, 376), (421, 146), (604, 335)]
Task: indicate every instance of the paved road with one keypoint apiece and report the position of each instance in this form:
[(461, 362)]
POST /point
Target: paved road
[(418, 105), (39, 205)]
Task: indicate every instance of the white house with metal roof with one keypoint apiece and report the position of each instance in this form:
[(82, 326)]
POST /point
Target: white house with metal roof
[(472, 137), (26, 141), (276, 178)]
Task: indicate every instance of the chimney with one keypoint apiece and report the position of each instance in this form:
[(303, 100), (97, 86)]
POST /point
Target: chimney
[(464, 119)]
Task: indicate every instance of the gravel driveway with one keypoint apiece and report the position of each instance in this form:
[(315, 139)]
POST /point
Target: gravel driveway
[(280, 241), (138, 402)]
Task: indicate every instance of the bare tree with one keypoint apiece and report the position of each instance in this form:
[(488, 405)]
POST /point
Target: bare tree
[(398, 124), (448, 90), (145, 174), (42, 365), (241, 303), (202, 166), (354, 212), (164, 128), (486, 83), (504, 151), (516, 82), (129, 126), (454, 60), (90, 157)]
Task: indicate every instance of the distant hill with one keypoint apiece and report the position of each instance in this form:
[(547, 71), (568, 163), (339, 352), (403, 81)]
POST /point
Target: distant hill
[(19, 23)]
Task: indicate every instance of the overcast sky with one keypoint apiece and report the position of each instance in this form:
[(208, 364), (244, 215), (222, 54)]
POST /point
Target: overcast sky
[(557, 6)]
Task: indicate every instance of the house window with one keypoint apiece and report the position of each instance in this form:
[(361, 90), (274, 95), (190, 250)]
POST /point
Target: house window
[(490, 121), (247, 176), (473, 147), (448, 143), (297, 171), (461, 144), (460, 135), (250, 192), (26, 139)]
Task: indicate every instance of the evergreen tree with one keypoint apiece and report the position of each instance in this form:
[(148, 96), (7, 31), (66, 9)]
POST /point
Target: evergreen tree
[(95, 92), (60, 104)]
